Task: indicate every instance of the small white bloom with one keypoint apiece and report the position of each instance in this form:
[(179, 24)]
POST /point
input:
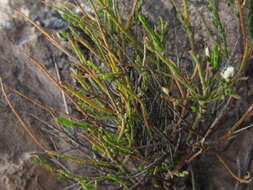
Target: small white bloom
[(207, 52), (165, 90), (228, 73)]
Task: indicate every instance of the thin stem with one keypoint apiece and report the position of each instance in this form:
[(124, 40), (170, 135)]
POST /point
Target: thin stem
[(20, 119), (231, 172), (200, 72)]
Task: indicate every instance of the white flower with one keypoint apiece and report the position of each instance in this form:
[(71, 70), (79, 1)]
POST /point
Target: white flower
[(165, 90), (228, 73), (207, 52)]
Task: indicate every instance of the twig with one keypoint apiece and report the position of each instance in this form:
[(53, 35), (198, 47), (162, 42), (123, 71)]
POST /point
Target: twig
[(46, 124), (232, 54), (231, 172), (192, 178), (217, 119), (242, 23), (39, 104), (239, 173), (49, 36), (246, 164), (243, 129), (59, 85), (189, 158), (131, 16), (242, 119), (152, 165), (62, 92), (70, 186), (64, 134), (22, 122)]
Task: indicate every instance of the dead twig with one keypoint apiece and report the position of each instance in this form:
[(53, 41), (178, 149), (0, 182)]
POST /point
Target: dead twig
[(231, 172), (39, 104), (242, 119), (62, 92), (217, 119), (20, 119)]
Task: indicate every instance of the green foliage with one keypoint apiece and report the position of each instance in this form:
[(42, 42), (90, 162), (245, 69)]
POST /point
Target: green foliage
[(69, 123), (215, 57), (221, 34), (133, 98), (250, 19), (87, 186), (152, 34), (42, 160)]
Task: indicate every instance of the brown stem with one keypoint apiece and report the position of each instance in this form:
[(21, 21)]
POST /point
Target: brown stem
[(231, 172), (20, 119), (242, 22)]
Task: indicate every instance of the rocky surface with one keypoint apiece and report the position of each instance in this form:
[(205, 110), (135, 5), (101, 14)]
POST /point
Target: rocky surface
[(17, 38), (25, 175)]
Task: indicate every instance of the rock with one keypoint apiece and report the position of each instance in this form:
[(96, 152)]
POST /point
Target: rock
[(18, 38), (4, 16), (25, 175)]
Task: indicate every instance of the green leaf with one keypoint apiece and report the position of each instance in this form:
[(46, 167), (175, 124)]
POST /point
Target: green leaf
[(117, 179), (228, 91), (87, 100), (194, 109), (87, 186), (69, 123), (156, 39), (250, 19), (65, 12), (215, 57), (83, 178), (78, 160)]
